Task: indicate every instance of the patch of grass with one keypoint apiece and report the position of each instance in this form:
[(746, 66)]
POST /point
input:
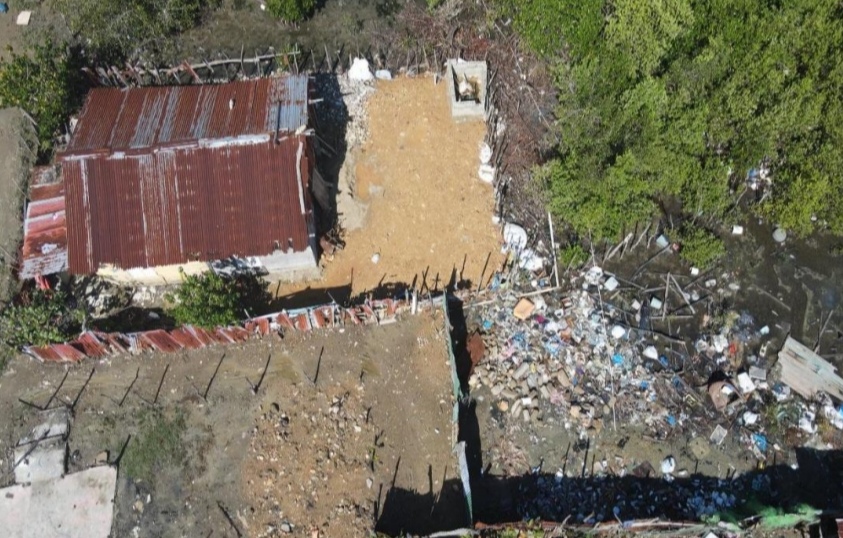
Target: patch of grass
[(157, 445)]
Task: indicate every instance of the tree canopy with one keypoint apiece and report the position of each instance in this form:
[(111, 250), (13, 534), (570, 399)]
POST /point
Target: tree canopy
[(675, 100)]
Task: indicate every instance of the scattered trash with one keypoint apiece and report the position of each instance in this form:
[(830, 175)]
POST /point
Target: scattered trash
[(24, 18), (668, 465), (718, 435), (376, 257), (779, 235), (524, 309), (737, 230), (662, 241), (611, 284), (514, 237), (383, 74)]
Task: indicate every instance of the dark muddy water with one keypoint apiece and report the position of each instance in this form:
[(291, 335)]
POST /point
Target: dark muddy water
[(794, 287)]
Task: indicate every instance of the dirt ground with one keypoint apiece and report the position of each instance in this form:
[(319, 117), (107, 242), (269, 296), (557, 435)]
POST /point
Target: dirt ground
[(426, 210), (348, 428)]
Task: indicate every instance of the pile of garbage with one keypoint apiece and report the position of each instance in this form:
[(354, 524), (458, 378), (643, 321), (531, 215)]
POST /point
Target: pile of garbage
[(589, 357)]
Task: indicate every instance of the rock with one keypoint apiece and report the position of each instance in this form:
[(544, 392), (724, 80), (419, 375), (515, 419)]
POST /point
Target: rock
[(485, 154), (275, 407), (503, 406), (497, 390), (286, 527), (138, 506), (383, 74), (101, 458), (521, 371), (369, 483)]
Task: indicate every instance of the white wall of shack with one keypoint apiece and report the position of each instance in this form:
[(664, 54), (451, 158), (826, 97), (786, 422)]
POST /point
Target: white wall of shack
[(279, 265)]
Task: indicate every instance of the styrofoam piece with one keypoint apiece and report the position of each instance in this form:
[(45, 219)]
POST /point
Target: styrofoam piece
[(360, 70)]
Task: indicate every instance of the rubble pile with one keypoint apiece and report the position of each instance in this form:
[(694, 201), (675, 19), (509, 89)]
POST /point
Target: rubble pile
[(344, 106)]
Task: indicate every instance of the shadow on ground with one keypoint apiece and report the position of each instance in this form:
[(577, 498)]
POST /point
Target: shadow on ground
[(817, 481)]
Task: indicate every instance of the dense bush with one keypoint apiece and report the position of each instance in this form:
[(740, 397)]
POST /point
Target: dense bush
[(290, 10), (210, 300), (573, 255), (40, 318), (126, 27), (674, 101), (699, 246), (43, 83)]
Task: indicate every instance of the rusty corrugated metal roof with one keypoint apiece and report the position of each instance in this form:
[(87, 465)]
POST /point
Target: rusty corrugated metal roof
[(188, 204), (136, 119), (160, 176), (44, 249)]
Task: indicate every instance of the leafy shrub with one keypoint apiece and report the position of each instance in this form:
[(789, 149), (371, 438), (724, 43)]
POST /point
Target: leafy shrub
[(290, 10), (43, 84), (125, 27), (573, 255), (699, 246), (210, 300), (40, 318)]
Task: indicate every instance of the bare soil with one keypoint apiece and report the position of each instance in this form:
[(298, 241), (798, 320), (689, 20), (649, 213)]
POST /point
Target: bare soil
[(428, 216), (334, 409)]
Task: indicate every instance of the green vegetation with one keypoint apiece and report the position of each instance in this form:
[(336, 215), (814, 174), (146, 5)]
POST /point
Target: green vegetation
[(157, 445), (673, 102), (573, 255), (291, 10), (767, 517), (46, 84), (124, 28), (700, 247), (40, 318), (210, 300)]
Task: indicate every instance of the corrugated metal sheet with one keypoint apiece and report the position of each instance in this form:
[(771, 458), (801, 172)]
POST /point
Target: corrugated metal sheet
[(135, 119), (44, 249), (97, 344), (178, 205)]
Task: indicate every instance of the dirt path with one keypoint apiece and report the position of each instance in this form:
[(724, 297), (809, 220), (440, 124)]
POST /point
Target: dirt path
[(427, 210), (290, 456)]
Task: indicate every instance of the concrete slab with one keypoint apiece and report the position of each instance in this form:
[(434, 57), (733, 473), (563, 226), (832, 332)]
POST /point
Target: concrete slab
[(41, 462), (79, 505), (476, 73)]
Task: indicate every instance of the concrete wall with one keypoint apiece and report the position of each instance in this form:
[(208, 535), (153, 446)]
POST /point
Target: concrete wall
[(152, 276), (467, 110)]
